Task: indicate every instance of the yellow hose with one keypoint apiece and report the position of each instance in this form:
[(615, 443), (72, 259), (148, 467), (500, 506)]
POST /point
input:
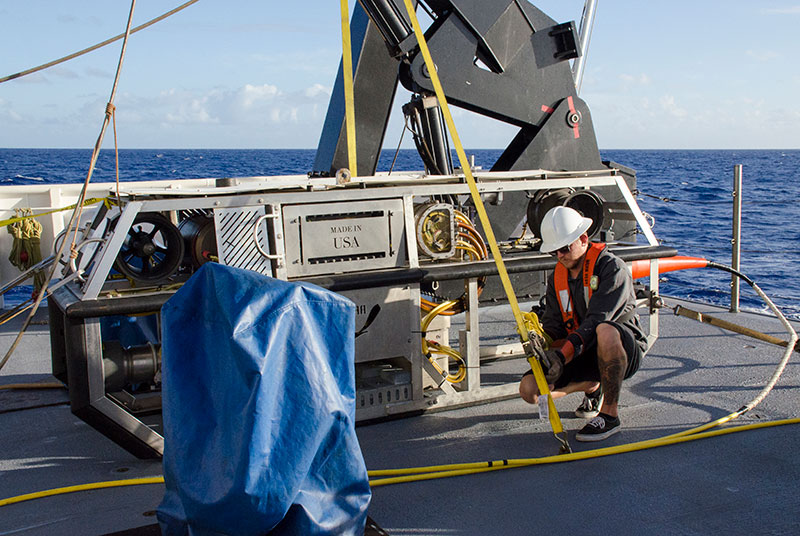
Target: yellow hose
[(82, 487), (414, 474)]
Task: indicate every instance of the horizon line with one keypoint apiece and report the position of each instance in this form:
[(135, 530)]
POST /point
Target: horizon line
[(384, 149)]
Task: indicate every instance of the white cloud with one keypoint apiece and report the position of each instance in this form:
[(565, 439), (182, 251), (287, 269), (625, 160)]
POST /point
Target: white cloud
[(244, 115), (685, 121), (793, 10), (275, 115), (250, 96), (668, 105), (317, 90), (765, 55), (98, 73), (7, 114), (190, 111), (62, 72), (640, 79)]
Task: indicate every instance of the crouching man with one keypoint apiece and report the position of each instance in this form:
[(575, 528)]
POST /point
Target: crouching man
[(590, 314)]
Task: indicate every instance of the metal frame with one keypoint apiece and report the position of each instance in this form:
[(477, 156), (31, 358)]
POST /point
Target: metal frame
[(84, 358)]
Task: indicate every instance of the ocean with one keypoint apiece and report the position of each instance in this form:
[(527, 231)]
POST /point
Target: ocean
[(688, 195)]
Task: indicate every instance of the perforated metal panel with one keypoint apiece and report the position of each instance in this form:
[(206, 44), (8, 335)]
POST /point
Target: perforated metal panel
[(236, 240)]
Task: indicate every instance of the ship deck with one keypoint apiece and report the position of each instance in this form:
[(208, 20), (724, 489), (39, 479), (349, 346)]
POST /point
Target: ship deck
[(740, 483)]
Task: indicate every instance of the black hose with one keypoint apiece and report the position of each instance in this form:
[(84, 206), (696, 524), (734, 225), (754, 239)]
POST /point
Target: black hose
[(731, 271)]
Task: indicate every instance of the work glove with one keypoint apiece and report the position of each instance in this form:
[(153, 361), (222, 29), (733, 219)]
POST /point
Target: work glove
[(552, 362)]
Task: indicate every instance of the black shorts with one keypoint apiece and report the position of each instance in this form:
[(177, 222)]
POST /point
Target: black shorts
[(584, 367)]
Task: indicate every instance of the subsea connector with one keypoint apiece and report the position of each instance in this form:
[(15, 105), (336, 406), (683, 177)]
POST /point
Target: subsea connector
[(129, 366)]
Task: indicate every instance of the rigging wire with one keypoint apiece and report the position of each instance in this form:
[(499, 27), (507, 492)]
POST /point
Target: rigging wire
[(399, 143), (98, 45), (666, 199), (75, 218)]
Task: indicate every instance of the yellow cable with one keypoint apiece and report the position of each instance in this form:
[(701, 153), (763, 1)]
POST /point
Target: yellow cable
[(429, 318), (708, 425), (82, 487), (446, 350), (469, 249), (476, 247), (426, 305), (347, 77), (467, 240), (426, 347), (444, 471), (544, 389)]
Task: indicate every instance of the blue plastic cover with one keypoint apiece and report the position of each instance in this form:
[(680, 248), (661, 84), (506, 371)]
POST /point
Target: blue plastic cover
[(259, 409)]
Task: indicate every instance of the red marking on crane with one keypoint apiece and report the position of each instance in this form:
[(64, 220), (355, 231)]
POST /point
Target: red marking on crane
[(575, 128), (547, 109)]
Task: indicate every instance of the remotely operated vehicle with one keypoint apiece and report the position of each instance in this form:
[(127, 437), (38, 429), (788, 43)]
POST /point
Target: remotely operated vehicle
[(406, 248)]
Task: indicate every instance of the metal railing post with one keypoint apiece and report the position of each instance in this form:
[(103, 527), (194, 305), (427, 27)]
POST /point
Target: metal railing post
[(737, 235), (587, 23)]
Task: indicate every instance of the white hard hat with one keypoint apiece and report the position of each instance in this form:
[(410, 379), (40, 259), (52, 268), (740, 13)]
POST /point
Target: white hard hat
[(562, 226)]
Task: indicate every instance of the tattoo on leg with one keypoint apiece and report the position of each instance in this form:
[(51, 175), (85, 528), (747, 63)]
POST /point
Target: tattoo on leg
[(611, 372)]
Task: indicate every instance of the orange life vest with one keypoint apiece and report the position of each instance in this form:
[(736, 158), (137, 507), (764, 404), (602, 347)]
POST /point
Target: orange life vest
[(561, 282)]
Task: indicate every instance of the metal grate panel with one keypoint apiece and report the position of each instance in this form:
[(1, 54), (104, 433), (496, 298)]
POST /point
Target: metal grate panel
[(235, 243)]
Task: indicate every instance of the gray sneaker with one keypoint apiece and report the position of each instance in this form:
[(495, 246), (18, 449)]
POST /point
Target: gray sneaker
[(590, 406)]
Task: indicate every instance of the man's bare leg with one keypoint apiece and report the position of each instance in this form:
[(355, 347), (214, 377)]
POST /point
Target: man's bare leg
[(529, 391), (612, 362)]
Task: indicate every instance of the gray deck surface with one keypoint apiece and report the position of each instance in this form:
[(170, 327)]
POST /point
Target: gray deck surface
[(743, 483)]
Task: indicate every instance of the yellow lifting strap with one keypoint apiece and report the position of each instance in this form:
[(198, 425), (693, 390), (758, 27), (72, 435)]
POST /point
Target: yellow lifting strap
[(347, 77), (541, 382)]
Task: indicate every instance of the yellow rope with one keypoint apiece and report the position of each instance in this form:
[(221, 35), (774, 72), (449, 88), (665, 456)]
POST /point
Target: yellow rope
[(116, 149), (90, 201)]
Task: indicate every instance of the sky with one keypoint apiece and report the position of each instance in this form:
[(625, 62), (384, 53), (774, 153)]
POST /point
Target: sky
[(702, 74)]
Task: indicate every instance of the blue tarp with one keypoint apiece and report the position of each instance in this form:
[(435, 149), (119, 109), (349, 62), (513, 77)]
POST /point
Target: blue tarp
[(259, 413)]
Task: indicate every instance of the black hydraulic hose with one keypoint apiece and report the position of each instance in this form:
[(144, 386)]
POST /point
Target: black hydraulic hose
[(730, 270)]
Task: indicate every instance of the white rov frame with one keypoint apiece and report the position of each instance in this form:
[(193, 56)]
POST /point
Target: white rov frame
[(273, 194)]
